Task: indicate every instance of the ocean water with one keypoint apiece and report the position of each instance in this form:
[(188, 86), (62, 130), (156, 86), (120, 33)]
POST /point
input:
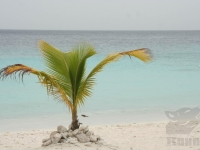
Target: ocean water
[(126, 91)]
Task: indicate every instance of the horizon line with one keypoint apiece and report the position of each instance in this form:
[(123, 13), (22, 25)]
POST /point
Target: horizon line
[(91, 30)]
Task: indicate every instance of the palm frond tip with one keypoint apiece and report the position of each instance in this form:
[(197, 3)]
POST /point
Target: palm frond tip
[(12, 70), (143, 54)]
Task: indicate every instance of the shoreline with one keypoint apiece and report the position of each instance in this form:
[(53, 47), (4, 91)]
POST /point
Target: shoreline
[(104, 118), (133, 136)]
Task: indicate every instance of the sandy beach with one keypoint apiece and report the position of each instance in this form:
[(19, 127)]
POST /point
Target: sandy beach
[(135, 136)]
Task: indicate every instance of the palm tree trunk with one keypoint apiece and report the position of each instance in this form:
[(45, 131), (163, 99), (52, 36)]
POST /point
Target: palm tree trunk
[(75, 123)]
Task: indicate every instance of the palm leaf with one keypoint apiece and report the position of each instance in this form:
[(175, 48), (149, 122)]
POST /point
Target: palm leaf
[(87, 85), (45, 79), (76, 64), (142, 54), (69, 68), (57, 66)]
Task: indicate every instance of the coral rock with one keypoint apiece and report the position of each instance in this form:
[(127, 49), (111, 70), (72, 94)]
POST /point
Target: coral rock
[(82, 138), (63, 141), (45, 140), (89, 133), (86, 129), (72, 140), (56, 138), (53, 133), (100, 142), (70, 126), (75, 132), (47, 143), (70, 134), (61, 129), (65, 135), (93, 138), (81, 128), (88, 144)]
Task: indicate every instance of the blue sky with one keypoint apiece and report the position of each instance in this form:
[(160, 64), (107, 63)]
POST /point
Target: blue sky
[(100, 14)]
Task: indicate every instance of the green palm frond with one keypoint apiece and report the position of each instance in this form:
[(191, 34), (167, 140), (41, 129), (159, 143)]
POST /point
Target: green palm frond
[(76, 63), (89, 81), (55, 60), (45, 79), (69, 68), (87, 85)]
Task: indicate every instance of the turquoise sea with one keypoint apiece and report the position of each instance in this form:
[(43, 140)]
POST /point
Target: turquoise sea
[(126, 91)]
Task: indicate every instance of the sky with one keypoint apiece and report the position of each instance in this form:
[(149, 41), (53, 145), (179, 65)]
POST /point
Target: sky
[(100, 14)]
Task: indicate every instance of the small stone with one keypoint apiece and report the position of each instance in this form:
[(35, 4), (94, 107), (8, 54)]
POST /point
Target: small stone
[(72, 140), (88, 144), (75, 132), (70, 134), (56, 138), (63, 140), (101, 142), (44, 140), (81, 128), (86, 129), (93, 138), (67, 141), (82, 138), (65, 135), (80, 132), (69, 127), (47, 143), (53, 133), (89, 133), (61, 129), (98, 137)]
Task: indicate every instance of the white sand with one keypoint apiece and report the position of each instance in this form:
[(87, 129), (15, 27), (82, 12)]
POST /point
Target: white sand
[(142, 136)]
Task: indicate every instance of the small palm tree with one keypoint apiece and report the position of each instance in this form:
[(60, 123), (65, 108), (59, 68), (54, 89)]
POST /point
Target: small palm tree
[(66, 77)]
